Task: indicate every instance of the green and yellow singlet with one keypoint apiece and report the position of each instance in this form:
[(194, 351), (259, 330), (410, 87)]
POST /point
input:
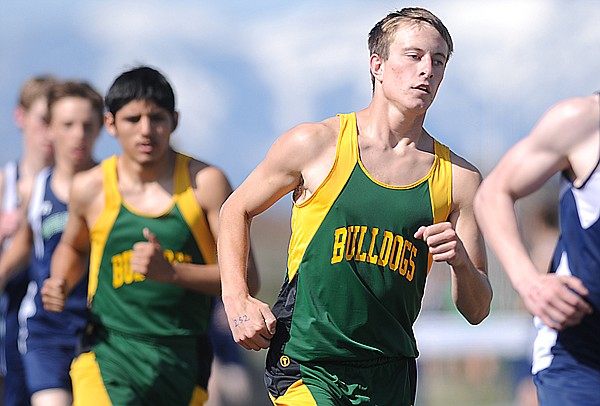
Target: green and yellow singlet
[(355, 273), (125, 301)]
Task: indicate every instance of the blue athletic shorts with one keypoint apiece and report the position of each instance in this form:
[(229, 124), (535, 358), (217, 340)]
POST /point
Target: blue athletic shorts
[(14, 385), (568, 383), (47, 367)]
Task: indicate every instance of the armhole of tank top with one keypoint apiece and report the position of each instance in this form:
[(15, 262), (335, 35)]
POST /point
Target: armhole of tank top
[(34, 209), (595, 169), (598, 159), (344, 144), (181, 174), (442, 153), (37, 193), (112, 196), (185, 199)]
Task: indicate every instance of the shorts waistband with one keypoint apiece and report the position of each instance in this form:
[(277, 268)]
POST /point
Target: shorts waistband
[(360, 363)]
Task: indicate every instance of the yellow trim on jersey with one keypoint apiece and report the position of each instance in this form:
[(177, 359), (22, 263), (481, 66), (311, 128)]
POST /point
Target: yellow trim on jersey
[(297, 394), (192, 212), (402, 187), (440, 184), (88, 386), (100, 231), (199, 396), (440, 188), (317, 206), (347, 155), (183, 196)]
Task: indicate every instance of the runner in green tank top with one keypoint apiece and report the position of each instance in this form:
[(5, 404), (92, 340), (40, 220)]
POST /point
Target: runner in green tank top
[(376, 201), (148, 219)]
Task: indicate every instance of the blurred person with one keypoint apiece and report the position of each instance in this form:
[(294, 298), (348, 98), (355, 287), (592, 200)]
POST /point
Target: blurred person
[(565, 300), (538, 224), (47, 341), (148, 219), (29, 116), (377, 200)]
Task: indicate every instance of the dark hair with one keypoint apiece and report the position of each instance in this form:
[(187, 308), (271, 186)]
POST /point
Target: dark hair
[(141, 83), (71, 88), (382, 34)]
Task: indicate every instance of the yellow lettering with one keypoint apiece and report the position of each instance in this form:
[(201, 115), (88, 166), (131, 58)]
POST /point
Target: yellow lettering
[(169, 255), (127, 272), (122, 272), (370, 257), (176, 257), (396, 249), (117, 270), (406, 250), (361, 256), (386, 248), (183, 258), (411, 273), (351, 243), (339, 241)]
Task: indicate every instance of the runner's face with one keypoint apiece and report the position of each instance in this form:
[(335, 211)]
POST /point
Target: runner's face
[(143, 129), (35, 129), (74, 129), (415, 67)]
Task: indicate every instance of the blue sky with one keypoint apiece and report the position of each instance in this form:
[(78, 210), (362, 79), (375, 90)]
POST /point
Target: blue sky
[(244, 72)]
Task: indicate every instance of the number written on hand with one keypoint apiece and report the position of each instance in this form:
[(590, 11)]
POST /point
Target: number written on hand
[(242, 319)]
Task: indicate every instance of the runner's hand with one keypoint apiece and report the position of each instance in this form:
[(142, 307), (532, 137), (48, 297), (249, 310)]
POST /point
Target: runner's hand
[(147, 259), (53, 294), (558, 300), (251, 322)]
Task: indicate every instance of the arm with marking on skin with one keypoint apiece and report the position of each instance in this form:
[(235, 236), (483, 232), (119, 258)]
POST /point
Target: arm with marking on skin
[(282, 171)]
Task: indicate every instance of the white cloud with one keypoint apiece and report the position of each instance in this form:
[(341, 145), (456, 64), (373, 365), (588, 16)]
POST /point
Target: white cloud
[(512, 60), (302, 54)]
